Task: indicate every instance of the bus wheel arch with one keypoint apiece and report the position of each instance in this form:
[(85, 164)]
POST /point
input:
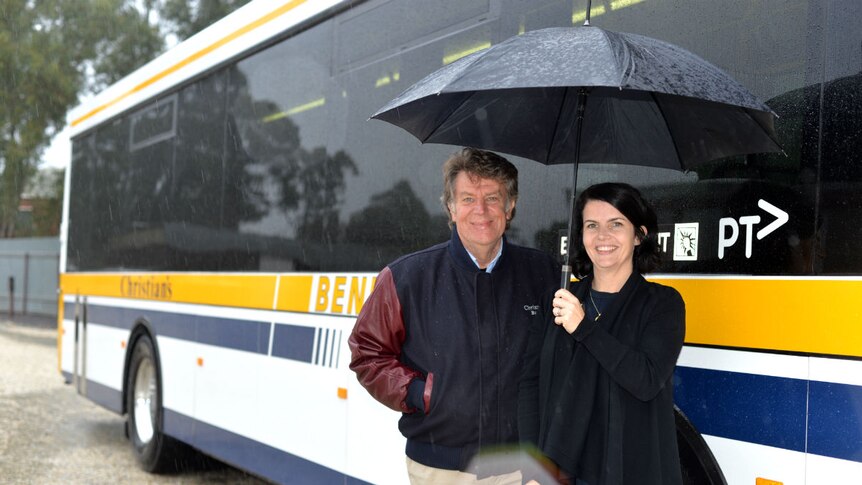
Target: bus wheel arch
[(697, 462), (141, 328), (142, 402)]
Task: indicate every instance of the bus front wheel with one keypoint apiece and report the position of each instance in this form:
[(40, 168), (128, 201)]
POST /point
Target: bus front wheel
[(155, 451)]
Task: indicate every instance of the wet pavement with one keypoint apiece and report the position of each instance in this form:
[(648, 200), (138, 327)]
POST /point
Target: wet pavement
[(51, 435)]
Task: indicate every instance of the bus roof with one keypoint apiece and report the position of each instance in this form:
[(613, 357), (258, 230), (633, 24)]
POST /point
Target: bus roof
[(242, 30)]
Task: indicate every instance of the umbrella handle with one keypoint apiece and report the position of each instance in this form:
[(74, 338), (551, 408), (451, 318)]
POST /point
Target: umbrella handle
[(566, 278)]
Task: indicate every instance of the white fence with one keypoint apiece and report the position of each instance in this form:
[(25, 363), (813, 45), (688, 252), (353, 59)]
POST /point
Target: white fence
[(29, 276)]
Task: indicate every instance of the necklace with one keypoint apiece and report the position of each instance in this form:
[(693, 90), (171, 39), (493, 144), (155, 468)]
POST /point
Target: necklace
[(598, 313)]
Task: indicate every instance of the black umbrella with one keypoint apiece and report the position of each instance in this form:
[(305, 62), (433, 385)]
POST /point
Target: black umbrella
[(587, 95)]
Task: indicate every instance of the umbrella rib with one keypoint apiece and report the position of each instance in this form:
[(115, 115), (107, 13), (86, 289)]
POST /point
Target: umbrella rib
[(477, 56), (444, 119), (621, 68), (765, 130), (556, 125), (669, 131)]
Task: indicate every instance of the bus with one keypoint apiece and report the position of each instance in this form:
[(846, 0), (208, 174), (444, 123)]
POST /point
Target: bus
[(229, 205)]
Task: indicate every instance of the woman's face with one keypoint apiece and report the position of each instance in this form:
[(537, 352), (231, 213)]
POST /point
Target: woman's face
[(609, 238)]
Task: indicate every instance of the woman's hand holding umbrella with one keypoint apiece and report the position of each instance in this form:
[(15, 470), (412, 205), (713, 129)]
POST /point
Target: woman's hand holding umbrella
[(568, 310)]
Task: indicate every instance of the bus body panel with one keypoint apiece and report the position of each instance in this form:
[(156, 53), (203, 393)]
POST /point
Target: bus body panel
[(233, 198)]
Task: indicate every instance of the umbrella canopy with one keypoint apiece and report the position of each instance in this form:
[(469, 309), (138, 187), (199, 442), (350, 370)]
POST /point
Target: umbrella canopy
[(587, 95), (650, 103)]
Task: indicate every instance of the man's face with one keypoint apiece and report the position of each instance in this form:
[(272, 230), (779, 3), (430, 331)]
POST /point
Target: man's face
[(480, 209)]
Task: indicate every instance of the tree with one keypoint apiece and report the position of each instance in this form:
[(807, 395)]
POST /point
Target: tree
[(44, 196), (52, 51), (138, 30), (185, 18), (40, 77), (130, 39), (372, 226), (45, 50)]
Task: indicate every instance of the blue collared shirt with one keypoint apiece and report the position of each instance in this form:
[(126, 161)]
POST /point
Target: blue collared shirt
[(493, 261)]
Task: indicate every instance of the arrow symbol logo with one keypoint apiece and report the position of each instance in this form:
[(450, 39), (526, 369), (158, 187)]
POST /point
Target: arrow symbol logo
[(781, 218)]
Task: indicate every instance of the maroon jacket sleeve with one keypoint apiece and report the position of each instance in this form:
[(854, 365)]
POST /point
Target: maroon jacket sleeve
[(375, 346)]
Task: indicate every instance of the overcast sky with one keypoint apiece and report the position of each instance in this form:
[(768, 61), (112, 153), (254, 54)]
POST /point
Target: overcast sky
[(58, 153)]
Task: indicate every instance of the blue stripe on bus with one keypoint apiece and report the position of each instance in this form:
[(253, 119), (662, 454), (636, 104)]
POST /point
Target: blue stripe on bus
[(105, 396), (258, 458), (109, 316), (748, 407), (234, 334), (754, 408), (251, 336), (69, 311), (321, 346), (772, 411), (338, 350), (835, 425), (292, 342)]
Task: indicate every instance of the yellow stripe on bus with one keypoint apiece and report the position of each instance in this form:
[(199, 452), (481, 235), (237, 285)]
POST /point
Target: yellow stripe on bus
[(294, 293), (817, 316), (246, 291), (193, 57), (796, 315)]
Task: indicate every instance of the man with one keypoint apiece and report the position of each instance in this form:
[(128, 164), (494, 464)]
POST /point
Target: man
[(442, 335)]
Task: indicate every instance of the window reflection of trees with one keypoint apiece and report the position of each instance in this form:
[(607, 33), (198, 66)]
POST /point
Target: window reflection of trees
[(180, 203), (307, 187), (395, 222), (246, 186)]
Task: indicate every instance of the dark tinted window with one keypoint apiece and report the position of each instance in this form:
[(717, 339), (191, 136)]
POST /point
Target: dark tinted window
[(272, 165), (100, 211)]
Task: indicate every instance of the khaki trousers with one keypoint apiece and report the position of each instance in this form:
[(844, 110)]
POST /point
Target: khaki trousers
[(425, 475)]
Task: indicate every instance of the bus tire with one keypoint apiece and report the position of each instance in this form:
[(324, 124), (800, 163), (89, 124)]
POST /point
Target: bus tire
[(155, 452), (697, 463)]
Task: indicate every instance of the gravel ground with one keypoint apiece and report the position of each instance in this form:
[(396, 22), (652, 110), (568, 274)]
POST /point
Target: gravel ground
[(50, 435)]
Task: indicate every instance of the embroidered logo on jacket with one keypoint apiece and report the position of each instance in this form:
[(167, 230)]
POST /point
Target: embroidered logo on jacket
[(533, 309)]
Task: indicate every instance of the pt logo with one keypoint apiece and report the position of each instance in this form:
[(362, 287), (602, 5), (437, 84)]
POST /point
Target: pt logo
[(685, 239), (728, 228)]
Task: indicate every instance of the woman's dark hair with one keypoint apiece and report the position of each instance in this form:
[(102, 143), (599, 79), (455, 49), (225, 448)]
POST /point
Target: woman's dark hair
[(629, 201)]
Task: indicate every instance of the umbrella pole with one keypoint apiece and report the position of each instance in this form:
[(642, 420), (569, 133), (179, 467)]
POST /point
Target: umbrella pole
[(566, 276)]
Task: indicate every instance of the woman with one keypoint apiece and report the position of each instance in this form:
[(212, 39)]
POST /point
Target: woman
[(597, 394)]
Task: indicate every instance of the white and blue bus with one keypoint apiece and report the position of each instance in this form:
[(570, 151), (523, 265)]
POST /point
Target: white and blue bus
[(229, 205)]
